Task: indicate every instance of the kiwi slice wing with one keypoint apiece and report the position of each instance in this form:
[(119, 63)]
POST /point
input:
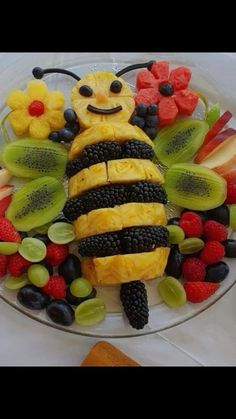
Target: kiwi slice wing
[(36, 203), (179, 142), (30, 158)]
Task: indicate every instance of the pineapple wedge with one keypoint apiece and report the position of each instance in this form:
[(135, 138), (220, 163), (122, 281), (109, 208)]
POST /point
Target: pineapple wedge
[(114, 171), (113, 270), (107, 132), (104, 220)]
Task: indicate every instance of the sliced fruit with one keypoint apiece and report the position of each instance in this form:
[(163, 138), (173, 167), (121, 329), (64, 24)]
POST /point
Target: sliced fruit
[(147, 96), (61, 233), (160, 70), (31, 158), (232, 216), (222, 158), (179, 142), (186, 101), (172, 292), (230, 176), (5, 176), (6, 191), (195, 187), (180, 77), (145, 79), (38, 275), (36, 203), (16, 282), (8, 248), (90, 312), (218, 126), (167, 112), (4, 204), (208, 149), (33, 250), (213, 114)]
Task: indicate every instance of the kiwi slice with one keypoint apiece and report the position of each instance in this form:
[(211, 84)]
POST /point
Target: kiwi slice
[(31, 158), (36, 203), (179, 142), (194, 187)]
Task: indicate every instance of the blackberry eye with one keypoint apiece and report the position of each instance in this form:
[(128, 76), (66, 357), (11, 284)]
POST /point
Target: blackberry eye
[(116, 86), (85, 91)]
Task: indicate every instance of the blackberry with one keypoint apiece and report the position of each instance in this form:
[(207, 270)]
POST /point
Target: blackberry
[(145, 191), (143, 239), (105, 197), (101, 152), (73, 166), (133, 296), (106, 244), (137, 150), (74, 207)]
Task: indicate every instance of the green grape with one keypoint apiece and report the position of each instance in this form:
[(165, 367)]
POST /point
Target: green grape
[(213, 114), (80, 287), (33, 250), (90, 312), (61, 233), (38, 275), (14, 283), (172, 292), (176, 234), (191, 245), (8, 248), (232, 216)]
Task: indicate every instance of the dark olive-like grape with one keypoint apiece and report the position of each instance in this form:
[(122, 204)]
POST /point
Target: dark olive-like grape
[(60, 312), (216, 272), (70, 268), (32, 297), (174, 264)]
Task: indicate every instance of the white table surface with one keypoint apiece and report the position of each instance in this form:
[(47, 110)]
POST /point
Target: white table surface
[(209, 339)]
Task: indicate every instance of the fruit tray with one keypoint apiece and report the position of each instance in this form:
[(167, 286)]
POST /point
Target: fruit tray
[(161, 316)]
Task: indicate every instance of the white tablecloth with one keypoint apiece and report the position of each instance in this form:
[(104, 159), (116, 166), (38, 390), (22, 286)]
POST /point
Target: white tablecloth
[(208, 339)]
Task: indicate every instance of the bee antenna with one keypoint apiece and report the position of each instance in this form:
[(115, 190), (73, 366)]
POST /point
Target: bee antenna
[(39, 72), (147, 65)]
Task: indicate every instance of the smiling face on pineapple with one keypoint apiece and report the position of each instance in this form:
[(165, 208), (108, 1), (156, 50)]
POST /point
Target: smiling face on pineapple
[(102, 97)]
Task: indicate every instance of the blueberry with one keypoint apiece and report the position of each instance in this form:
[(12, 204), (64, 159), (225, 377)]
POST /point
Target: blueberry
[(70, 268), (166, 89), (43, 238), (38, 72), (173, 221), (151, 121), (220, 214), (216, 272), (23, 234), (151, 132), (66, 135), (75, 301), (54, 136), (73, 126), (86, 90), (141, 109), (70, 115), (60, 312), (116, 86), (174, 264), (152, 109), (32, 297), (139, 121), (230, 248)]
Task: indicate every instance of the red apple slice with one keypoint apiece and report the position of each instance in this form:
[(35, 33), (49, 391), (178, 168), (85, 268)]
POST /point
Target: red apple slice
[(4, 204), (217, 127), (224, 157), (5, 176), (6, 191), (230, 176), (206, 150)]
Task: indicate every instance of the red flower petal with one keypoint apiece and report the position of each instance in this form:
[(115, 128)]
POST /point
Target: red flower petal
[(147, 96), (168, 111), (160, 70), (180, 77), (186, 101), (145, 79)]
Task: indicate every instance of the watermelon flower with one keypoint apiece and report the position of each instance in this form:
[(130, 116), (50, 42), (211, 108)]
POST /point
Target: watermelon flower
[(167, 89), (36, 111)]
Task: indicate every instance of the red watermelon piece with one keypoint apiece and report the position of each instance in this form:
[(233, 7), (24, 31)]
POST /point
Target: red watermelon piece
[(168, 111), (145, 79), (147, 96), (186, 101), (180, 77), (160, 70)]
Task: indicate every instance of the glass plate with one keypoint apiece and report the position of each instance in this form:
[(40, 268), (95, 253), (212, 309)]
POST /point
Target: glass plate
[(206, 79)]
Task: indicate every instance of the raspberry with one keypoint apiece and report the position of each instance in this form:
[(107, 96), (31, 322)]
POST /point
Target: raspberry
[(231, 193), (36, 108), (55, 287), (3, 265), (197, 292), (56, 253), (215, 231), (191, 223), (193, 269), (212, 252), (17, 265), (8, 232)]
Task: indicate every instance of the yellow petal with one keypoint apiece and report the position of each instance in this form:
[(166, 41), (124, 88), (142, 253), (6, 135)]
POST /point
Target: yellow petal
[(17, 99), (39, 128), (37, 89), (19, 121), (55, 100), (55, 119)]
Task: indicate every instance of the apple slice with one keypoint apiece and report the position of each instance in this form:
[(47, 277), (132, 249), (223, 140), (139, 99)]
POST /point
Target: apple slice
[(206, 150), (230, 176), (224, 157), (5, 176), (218, 126), (6, 191)]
